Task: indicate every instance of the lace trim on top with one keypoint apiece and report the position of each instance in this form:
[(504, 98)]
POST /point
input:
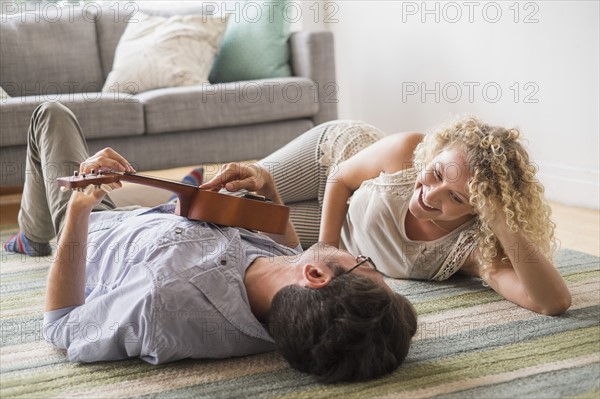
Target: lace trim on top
[(343, 139), (464, 245), (401, 184)]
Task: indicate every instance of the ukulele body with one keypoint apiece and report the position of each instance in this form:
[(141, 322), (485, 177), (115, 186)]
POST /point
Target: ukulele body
[(229, 210)]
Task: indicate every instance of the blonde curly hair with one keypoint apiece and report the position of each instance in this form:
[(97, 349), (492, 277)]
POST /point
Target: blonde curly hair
[(501, 177)]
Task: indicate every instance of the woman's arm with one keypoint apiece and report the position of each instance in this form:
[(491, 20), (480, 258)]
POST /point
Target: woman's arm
[(528, 278), (390, 154)]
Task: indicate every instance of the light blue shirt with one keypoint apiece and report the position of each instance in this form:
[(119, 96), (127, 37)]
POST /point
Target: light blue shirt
[(163, 288)]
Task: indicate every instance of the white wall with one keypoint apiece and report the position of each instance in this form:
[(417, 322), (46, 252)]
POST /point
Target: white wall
[(387, 52)]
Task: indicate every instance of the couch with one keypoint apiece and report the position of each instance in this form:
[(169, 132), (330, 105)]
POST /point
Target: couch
[(65, 55)]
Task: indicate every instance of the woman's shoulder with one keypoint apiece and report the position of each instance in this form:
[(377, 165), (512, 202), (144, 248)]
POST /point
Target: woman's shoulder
[(400, 148), (390, 154), (410, 138)]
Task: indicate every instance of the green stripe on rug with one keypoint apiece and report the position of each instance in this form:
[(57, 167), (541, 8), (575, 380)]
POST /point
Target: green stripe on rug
[(581, 276), (591, 394), (462, 300), (424, 290)]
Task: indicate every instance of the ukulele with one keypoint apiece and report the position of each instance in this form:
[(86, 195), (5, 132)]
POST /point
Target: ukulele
[(253, 212)]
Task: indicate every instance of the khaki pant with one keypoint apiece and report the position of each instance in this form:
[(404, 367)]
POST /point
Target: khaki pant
[(55, 148)]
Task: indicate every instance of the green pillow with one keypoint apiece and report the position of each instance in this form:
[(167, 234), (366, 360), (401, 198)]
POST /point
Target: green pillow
[(255, 44)]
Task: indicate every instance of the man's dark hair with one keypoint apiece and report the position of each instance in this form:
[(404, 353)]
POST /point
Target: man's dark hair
[(353, 329)]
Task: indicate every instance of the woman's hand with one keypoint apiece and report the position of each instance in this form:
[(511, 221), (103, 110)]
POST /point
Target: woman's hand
[(235, 177), (498, 222)]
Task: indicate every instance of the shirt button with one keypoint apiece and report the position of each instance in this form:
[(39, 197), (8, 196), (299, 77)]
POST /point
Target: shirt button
[(178, 230), (223, 262)]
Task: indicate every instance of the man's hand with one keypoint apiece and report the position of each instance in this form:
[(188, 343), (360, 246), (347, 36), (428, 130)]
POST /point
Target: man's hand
[(106, 159), (82, 202), (252, 177), (235, 177)]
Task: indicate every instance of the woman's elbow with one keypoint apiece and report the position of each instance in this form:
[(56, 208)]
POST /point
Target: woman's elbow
[(559, 306)]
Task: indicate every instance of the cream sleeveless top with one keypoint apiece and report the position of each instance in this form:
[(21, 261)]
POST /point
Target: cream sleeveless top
[(374, 227)]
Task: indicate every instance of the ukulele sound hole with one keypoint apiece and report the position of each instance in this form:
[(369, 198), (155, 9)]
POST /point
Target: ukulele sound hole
[(257, 197)]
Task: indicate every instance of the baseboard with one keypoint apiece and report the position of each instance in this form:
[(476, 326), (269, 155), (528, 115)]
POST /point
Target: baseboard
[(569, 185), (9, 209), (10, 190)]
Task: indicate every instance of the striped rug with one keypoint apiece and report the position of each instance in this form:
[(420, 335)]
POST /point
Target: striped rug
[(470, 344)]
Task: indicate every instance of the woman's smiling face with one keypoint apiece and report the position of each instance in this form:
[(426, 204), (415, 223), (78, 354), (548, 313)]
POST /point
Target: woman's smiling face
[(441, 188)]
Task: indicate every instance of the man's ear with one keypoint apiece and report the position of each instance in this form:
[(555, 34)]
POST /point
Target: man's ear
[(315, 276)]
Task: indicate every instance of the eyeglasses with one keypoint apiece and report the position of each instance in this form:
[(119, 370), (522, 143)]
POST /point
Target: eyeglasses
[(361, 261)]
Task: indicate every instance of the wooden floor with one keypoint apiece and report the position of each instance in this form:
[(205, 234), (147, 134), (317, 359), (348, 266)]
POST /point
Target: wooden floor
[(576, 228)]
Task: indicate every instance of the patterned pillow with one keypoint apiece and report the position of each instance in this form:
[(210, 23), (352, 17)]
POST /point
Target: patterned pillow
[(255, 45), (157, 52)]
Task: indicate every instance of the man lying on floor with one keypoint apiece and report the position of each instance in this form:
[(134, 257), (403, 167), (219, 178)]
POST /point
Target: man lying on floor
[(148, 283)]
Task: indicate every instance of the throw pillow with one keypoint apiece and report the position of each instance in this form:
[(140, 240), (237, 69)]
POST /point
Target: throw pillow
[(255, 45), (3, 95), (157, 52)]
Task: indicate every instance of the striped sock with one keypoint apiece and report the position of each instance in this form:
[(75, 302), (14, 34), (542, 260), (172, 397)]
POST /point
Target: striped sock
[(194, 178), (23, 245)]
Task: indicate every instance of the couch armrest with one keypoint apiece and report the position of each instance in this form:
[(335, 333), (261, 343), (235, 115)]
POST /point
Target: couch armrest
[(312, 56)]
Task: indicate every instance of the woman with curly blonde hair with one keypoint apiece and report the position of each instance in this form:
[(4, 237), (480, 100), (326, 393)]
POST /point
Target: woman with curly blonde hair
[(462, 199)]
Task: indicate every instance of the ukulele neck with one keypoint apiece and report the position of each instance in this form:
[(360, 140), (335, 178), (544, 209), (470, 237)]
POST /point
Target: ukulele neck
[(185, 192)]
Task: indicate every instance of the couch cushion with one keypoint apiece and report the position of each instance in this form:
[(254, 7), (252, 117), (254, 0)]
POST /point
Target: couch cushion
[(49, 52), (100, 116), (156, 52), (228, 104)]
